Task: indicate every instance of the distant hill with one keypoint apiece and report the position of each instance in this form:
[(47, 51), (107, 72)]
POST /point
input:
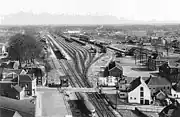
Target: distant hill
[(28, 18)]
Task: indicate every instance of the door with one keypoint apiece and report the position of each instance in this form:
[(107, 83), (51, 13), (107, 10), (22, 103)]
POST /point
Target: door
[(141, 101), (146, 102)]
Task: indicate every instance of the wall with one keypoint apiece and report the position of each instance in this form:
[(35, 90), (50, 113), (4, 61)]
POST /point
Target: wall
[(33, 87), (164, 88)]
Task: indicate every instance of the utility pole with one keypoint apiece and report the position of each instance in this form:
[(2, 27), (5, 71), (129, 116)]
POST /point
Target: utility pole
[(117, 88)]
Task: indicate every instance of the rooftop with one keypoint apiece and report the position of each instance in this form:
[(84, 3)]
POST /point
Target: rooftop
[(135, 83), (17, 88), (24, 108), (157, 81)]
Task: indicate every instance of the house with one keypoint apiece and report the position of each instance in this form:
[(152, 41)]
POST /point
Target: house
[(139, 92), (158, 41), (156, 84), (19, 92), (171, 72), (27, 81), (39, 73), (175, 91), (113, 69), (107, 81), (11, 90), (160, 95)]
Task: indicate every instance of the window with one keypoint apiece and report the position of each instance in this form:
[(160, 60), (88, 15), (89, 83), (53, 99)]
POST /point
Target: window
[(26, 85), (141, 94), (141, 89), (134, 98), (174, 95), (122, 94), (130, 97)]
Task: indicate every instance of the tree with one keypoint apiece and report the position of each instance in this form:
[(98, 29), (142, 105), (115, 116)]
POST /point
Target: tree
[(24, 48)]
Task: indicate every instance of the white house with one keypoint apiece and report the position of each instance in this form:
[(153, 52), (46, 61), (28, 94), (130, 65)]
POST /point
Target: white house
[(175, 94), (139, 92), (107, 81), (175, 91)]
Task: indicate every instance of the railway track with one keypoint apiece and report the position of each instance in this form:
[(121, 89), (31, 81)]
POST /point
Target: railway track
[(79, 80)]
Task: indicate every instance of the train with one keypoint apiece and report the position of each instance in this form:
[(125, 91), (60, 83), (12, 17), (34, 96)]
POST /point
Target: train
[(87, 106), (78, 41), (85, 38)]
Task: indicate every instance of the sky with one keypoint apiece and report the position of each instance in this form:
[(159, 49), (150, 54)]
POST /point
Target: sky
[(144, 10)]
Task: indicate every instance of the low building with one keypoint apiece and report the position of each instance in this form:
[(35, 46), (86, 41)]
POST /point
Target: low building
[(158, 41), (156, 84), (160, 95), (175, 91), (139, 92), (11, 90), (107, 81), (172, 73), (27, 81), (113, 69), (19, 92), (154, 64), (39, 74)]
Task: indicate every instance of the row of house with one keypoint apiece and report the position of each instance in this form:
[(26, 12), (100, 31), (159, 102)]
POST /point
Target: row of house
[(20, 83), (139, 90), (17, 84)]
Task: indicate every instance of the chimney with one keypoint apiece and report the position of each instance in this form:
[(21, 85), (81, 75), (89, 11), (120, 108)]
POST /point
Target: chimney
[(18, 80)]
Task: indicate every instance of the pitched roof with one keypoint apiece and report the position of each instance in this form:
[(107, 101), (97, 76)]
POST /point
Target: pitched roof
[(157, 81), (115, 64), (23, 78), (135, 83), (23, 107), (162, 93), (16, 114), (17, 88)]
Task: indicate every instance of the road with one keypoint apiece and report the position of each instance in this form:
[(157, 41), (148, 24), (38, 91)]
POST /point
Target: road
[(52, 102)]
